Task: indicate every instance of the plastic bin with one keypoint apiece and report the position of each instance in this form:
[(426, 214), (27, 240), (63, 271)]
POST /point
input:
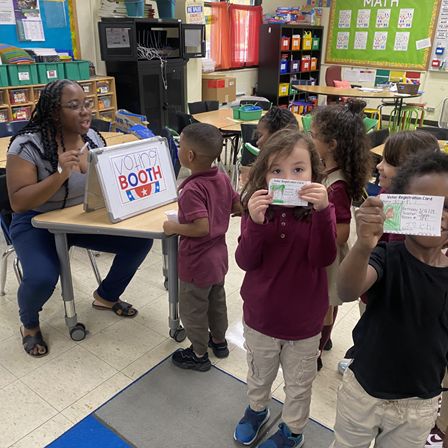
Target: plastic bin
[(135, 8), (77, 70), (295, 66), (4, 80), (88, 88), (284, 66), (19, 96), (247, 115), (21, 113), (306, 62), (315, 43), (3, 115), (104, 102), (412, 89), (166, 8), (295, 44), (285, 43), (307, 40), (107, 115), (313, 63), (1, 98), (37, 92), (22, 74), (49, 71), (283, 89), (102, 87)]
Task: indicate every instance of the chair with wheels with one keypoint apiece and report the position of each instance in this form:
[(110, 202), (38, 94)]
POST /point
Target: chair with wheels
[(334, 73), (101, 125), (200, 107), (10, 128)]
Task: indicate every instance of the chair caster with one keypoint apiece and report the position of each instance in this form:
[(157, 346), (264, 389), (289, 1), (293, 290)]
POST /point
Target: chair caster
[(178, 335), (78, 332)]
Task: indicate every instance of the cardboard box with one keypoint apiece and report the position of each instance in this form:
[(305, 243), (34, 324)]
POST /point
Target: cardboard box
[(218, 88)]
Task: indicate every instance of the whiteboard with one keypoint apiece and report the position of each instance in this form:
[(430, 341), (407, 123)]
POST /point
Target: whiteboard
[(133, 177)]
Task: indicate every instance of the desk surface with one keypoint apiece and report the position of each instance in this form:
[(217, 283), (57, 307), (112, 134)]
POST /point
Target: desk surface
[(76, 220), (379, 149), (336, 91), (112, 138)]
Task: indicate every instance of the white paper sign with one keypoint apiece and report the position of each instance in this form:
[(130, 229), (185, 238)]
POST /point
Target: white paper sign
[(401, 41), (380, 40), (117, 38), (408, 214), (382, 18), (363, 19), (345, 16), (424, 43), (367, 76), (286, 192), (405, 18), (351, 74), (360, 40), (7, 13), (342, 41)]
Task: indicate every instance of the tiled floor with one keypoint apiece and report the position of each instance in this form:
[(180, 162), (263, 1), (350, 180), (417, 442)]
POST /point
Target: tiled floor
[(42, 398)]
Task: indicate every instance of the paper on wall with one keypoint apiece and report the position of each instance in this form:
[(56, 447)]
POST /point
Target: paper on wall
[(367, 76), (401, 41), (342, 40), (424, 43), (7, 13), (380, 40), (412, 215), (345, 16), (382, 18), (286, 192), (405, 18), (351, 74), (363, 18), (360, 40)]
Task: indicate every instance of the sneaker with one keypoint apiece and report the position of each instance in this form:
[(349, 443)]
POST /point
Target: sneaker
[(187, 359), (342, 366), (328, 346), (283, 439), (219, 350), (247, 430)]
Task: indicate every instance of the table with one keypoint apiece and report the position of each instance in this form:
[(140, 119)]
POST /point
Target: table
[(112, 138), (379, 149), (145, 225)]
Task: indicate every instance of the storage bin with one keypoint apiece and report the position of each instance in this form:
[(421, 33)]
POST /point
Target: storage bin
[(19, 96), (307, 40), (284, 66), (295, 44), (49, 71), (37, 92), (77, 70), (22, 74), (88, 88), (3, 115), (1, 98), (104, 102), (315, 43), (306, 64), (412, 89), (107, 115), (4, 80), (135, 8), (313, 63), (295, 66), (285, 43), (166, 8), (246, 113), (102, 87), (21, 113), (283, 89)]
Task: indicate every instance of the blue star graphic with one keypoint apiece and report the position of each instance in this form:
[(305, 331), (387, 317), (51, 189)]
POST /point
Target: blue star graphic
[(157, 187), (131, 198)]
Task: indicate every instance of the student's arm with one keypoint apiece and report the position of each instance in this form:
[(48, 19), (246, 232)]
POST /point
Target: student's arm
[(199, 227), (355, 275), (237, 208), (25, 192), (343, 232), (248, 254)]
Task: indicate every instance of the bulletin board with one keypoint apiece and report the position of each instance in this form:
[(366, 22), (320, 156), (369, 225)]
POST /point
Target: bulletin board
[(382, 33), (59, 26)]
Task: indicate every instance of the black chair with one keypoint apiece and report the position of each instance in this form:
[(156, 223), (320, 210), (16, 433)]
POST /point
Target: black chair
[(439, 133), (10, 128), (265, 105), (200, 107), (183, 120), (378, 137), (101, 125)]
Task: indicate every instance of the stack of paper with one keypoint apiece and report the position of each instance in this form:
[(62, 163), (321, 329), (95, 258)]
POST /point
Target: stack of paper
[(112, 9)]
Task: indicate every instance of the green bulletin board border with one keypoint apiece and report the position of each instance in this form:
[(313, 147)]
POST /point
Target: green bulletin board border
[(333, 30)]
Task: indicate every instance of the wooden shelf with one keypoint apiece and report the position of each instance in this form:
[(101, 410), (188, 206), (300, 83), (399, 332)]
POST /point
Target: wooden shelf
[(106, 109), (103, 94), (22, 104)]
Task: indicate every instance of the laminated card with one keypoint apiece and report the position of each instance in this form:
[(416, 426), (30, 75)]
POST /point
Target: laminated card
[(286, 192)]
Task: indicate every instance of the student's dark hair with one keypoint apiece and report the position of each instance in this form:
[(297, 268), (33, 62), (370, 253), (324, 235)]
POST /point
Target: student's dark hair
[(345, 125), (417, 165), (401, 145), (280, 145), (205, 138), (42, 122), (278, 118)]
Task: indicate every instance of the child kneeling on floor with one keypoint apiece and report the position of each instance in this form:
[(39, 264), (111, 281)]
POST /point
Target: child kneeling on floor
[(206, 201), (390, 391)]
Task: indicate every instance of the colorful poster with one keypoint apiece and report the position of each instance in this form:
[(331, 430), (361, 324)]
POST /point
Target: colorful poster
[(194, 12), (363, 19), (405, 18), (401, 41), (380, 40), (382, 18), (28, 21), (361, 40), (345, 17), (342, 42)]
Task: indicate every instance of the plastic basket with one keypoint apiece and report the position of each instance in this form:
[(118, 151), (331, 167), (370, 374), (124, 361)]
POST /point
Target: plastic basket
[(166, 8), (77, 70), (4, 76), (295, 43), (411, 89), (22, 74), (135, 8), (315, 43), (247, 115), (285, 43), (283, 89), (49, 71)]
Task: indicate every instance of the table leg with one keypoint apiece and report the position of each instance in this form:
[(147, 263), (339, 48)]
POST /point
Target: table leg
[(77, 330)]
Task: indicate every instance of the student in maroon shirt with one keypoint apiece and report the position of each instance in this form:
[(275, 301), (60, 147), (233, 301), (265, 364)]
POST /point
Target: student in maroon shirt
[(206, 201), (284, 251), (340, 137)]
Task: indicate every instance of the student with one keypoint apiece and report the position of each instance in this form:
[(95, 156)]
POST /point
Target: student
[(59, 127), (390, 391), (275, 119), (206, 201), (284, 251), (342, 143)]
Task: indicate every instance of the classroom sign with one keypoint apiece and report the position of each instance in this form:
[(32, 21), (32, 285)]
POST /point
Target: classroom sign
[(195, 12)]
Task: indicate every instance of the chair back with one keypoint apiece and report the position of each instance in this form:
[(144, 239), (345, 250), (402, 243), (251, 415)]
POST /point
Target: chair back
[(101, 125), (265, 105), (165, 132), (212, 105), (10, 128), (183, 120), (6, 211), (439, 133), (333, 73), (249, 133), (377, 138)]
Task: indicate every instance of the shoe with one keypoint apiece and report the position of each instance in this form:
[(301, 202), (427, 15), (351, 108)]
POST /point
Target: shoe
[(342, 366), (283, 439), (219, 350), (319, 364), (328, 346), (187, 359), (249, 426)]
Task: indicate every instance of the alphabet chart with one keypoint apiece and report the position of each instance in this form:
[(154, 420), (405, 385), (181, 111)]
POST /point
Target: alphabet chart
[(401, 41), (382, 18), (405, 18), (342, 43), (286, 192), (363, 18), (412, 215), (380, 40), (345, 17)]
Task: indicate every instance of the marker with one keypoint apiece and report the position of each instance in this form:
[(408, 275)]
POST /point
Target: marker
[(80, 152)]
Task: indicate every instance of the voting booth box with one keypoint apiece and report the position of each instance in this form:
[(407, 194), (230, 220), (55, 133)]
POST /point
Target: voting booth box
[(218, 88), (130, 178)]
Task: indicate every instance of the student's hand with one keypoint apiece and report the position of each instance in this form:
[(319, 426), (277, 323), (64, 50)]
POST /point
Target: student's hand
[(369, 222), (67, 161), (316, 194), (169, 227), (258, 204)]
